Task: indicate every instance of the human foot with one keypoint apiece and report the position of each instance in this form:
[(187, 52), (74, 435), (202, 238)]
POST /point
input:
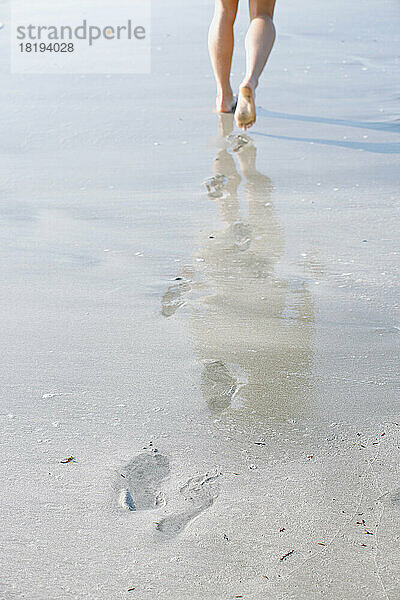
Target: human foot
[(245, 113), (226, 104)]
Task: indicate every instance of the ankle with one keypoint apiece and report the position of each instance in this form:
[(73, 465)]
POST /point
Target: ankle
[(224, 95), (224, 104), (249, 83)]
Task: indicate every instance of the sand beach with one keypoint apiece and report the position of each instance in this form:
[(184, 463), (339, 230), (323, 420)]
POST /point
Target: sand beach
[(199, 326)]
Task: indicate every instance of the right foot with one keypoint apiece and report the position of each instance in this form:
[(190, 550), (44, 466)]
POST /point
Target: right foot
[(245, 113)]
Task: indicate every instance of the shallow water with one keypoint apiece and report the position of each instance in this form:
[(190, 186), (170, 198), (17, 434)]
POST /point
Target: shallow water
[(249, 328)]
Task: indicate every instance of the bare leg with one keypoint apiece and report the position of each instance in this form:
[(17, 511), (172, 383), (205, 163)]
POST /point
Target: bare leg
[(259, 41), (220, 45)]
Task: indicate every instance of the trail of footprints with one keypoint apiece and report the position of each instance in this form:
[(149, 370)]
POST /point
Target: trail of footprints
[(139, 487), (240, 234)]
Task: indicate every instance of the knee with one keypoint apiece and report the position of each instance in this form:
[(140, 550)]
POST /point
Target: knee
[(226, 11), (263, 9)]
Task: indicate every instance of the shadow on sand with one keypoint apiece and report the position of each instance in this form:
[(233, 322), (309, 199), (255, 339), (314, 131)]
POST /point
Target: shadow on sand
[(375, 147)]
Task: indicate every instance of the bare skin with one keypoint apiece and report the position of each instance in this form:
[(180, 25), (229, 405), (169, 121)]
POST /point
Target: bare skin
[(260, 39)]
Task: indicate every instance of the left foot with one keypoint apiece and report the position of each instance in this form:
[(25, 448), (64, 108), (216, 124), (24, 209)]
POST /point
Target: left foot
[(226, 105), (245, 113)]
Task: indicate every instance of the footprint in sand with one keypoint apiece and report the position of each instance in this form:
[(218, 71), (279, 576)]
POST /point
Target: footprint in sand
[(219, 385), (216, 186), (139, 482), (239, 141), (199, 494), (174, 297), (241, 235)]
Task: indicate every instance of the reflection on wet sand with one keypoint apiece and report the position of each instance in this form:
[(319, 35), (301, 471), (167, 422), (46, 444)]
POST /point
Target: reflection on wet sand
[(252, 329)]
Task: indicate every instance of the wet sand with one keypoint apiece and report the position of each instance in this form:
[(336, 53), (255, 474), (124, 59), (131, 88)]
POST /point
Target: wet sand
[(208, 322)]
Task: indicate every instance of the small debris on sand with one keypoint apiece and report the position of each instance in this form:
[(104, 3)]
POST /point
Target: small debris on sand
[(68, 460), (285, 556)]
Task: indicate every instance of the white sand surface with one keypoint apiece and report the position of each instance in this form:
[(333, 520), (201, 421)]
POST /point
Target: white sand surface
[(249, 332)]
